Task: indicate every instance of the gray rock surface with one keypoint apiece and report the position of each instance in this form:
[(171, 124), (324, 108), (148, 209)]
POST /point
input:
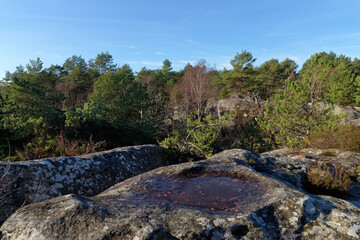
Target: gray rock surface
[(245, 106), (211, 107), (352, 113), (349, 160), (86, 175), (234, 195)]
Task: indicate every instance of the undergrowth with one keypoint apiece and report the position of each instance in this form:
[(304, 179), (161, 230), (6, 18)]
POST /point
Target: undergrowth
[(328, 179), (345, 137), (60, 146)]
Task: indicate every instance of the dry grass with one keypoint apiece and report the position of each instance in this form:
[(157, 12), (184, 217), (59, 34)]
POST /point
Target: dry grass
[(60, 147), (329, 178), (344, 137)]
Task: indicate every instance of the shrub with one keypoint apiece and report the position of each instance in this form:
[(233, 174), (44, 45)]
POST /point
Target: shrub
[(253, 139), (291, 117), (60, 146), (345, 137), (329, 178), (196, 137)]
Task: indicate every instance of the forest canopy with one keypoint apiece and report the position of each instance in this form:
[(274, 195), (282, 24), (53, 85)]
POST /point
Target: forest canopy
[(83, 106)]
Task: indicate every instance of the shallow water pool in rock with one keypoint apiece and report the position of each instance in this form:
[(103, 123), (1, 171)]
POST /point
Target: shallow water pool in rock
[(215, 192)]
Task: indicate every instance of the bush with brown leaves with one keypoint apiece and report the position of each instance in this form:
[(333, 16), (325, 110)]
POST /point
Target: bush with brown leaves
[(345, 137), (330, 178)]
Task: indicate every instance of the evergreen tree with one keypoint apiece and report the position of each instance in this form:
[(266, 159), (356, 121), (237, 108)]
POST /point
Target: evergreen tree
[(103, 63), (75, 64), (241, 79), (35, 66), (291, 117)]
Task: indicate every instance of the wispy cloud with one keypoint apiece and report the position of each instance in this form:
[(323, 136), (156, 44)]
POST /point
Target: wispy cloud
[(160, 53), (127, 46), (192, 42)]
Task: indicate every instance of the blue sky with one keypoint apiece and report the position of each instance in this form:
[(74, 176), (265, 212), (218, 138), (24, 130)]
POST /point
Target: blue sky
[(144, 33)]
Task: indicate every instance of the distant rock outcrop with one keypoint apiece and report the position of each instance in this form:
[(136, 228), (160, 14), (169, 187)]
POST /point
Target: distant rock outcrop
[(246, 107), (352, 113), (86, 175), (234, 195)]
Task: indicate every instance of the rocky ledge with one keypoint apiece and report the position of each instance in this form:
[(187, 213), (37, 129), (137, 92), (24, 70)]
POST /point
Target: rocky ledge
[(87, 175), (234, 195)]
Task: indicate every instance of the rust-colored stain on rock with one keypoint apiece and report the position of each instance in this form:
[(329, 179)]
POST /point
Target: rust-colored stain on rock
[(216, 192)]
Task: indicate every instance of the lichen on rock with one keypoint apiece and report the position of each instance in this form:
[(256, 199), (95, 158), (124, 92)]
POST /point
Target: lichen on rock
[(86, 175), (194, 201)]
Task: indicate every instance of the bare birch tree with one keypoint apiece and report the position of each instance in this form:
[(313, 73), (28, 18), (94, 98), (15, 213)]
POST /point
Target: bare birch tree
[(194, 86)]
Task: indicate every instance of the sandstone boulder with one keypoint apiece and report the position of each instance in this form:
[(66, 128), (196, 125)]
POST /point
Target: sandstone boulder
[(234, 195), (211, 107), (245, 106), (86, 175), (311, 157), (352, 113)]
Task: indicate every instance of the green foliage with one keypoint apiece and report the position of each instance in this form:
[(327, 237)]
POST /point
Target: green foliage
[(254, 140), (266, 80), (272, 75), (32, 96), (291, 117), (224, 93), (116, 97), (120, 111), (85, 104), (103, 63), (166, 66), (196, 137), (35, 66), (298, 112), (239, 81), (4, 133), (75, 63), (31, 111), (357, 92), (329, 78), (111, 84), (242, 60), (342, 82)]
